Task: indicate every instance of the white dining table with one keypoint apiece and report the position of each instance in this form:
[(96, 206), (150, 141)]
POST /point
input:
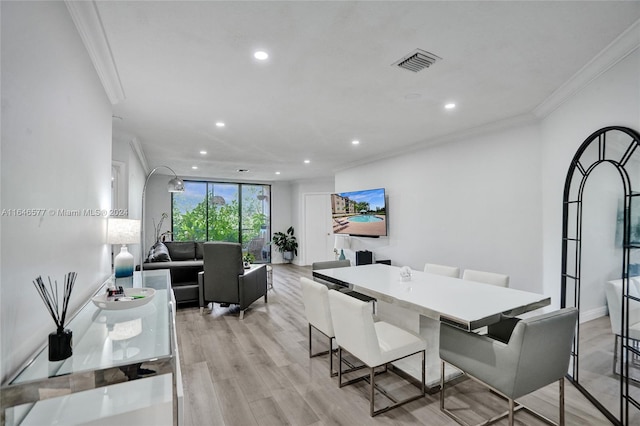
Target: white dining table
[(421, 303)]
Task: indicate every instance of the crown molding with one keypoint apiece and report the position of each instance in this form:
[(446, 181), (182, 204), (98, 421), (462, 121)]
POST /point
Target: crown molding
[(616, 51), (87, 20), (134, 143), (461, 135)]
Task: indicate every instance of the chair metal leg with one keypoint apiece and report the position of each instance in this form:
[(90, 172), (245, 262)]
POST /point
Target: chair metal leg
[(615, 354), (441, 385), (514, 406), (561, 400), (511, 407), (331, 373), (330, 351), (373, 387), (372, 393), (242, 314), (339, 367)]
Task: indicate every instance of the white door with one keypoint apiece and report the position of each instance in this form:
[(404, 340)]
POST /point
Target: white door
[(318, 234)]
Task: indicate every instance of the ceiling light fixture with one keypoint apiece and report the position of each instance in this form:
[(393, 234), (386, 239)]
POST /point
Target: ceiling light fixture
[(355, 142), (194, 167), (261, 55), (307, 161), (277, 173), (450, 106), (203, 152), (219, 124)]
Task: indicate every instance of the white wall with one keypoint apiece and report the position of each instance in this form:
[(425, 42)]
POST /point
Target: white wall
[(494, 202), (134, 176), (473, 204), (56, 154), (611, 99)]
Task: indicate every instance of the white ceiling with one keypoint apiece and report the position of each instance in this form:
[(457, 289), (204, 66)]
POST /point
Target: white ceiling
[(329, 80)]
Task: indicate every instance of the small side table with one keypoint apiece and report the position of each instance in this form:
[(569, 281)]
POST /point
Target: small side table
[(269, 277)]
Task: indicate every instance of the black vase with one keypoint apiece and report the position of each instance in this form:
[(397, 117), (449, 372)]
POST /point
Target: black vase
[(60, 344)]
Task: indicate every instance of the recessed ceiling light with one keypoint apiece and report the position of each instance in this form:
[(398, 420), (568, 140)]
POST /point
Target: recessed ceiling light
[(277, 173), (194, 167), (203, 152), (307, 161), (355, 142), (261, 55), (450, 106), (219, 124)]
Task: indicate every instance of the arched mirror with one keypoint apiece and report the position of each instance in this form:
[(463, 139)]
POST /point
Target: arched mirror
[(601, 270)]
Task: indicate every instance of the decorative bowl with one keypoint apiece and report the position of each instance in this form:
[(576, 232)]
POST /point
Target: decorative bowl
[(133, 298)]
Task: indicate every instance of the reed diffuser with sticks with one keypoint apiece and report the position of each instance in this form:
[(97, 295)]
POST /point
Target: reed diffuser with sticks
[(60, 341)]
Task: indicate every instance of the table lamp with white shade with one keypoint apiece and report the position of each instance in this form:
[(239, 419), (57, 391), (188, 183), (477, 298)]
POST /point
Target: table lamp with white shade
[(342, 242), (123, 231)]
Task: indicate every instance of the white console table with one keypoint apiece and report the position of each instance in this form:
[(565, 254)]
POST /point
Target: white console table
[(124, 369)]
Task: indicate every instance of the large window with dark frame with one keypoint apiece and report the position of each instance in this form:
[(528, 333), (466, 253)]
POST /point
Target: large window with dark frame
[(224, 211)]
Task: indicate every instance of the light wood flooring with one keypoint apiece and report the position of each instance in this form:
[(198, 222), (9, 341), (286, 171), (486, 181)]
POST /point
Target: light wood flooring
[(258, 372), (596, 367)]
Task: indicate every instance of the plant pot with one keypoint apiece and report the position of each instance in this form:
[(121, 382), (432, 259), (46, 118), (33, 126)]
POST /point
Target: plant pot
[(287, 255)]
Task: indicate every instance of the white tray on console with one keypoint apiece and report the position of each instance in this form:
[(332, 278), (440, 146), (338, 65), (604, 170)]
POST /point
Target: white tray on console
[(101, 300)]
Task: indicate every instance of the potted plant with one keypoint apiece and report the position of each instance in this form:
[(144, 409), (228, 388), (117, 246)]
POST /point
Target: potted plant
[(286, 243), (248, 259)]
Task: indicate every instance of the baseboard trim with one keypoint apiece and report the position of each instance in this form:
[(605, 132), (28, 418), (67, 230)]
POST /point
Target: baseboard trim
[(592, 314)]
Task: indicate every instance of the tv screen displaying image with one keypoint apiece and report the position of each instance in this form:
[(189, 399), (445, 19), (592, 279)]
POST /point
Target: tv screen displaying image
[(361, 213)]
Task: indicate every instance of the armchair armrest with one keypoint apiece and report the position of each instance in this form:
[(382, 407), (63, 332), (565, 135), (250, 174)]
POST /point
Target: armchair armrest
[(252, 285), (487, 359)]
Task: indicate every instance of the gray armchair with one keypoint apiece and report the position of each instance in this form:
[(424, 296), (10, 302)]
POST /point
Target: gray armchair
[(224, 280), (534, 355)]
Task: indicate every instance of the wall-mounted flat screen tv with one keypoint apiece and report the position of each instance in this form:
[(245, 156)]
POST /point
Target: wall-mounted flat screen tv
[(362, 213)]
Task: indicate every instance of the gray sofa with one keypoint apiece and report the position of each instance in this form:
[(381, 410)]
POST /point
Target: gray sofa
[(184, 259)]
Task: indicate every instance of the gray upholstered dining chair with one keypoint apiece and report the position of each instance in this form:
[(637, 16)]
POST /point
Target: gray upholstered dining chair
[(375, 344), (224, 279), (492, 278), (316, 307), (444, 270), (533, 353), (331, 264)]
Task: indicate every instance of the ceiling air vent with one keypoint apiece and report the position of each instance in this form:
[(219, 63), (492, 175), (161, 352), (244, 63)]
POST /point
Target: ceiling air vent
[(417, 60)]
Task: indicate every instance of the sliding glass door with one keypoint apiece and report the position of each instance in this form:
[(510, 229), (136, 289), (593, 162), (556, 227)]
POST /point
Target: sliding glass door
[(222, 211)]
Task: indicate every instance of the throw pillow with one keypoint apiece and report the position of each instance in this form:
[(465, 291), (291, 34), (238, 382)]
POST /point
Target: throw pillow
[(159, 253)]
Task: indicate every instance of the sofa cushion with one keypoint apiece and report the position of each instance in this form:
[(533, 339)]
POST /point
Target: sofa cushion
[(159, 253), (200, 250), (182, 272), (181, 250)]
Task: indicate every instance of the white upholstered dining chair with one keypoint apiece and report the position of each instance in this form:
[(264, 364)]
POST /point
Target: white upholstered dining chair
[(613, 292), (316, 308), (375, 344), (444, 270), (492, 278)]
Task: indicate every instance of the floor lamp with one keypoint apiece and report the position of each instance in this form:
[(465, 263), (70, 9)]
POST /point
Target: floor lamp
[(174, 185)]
